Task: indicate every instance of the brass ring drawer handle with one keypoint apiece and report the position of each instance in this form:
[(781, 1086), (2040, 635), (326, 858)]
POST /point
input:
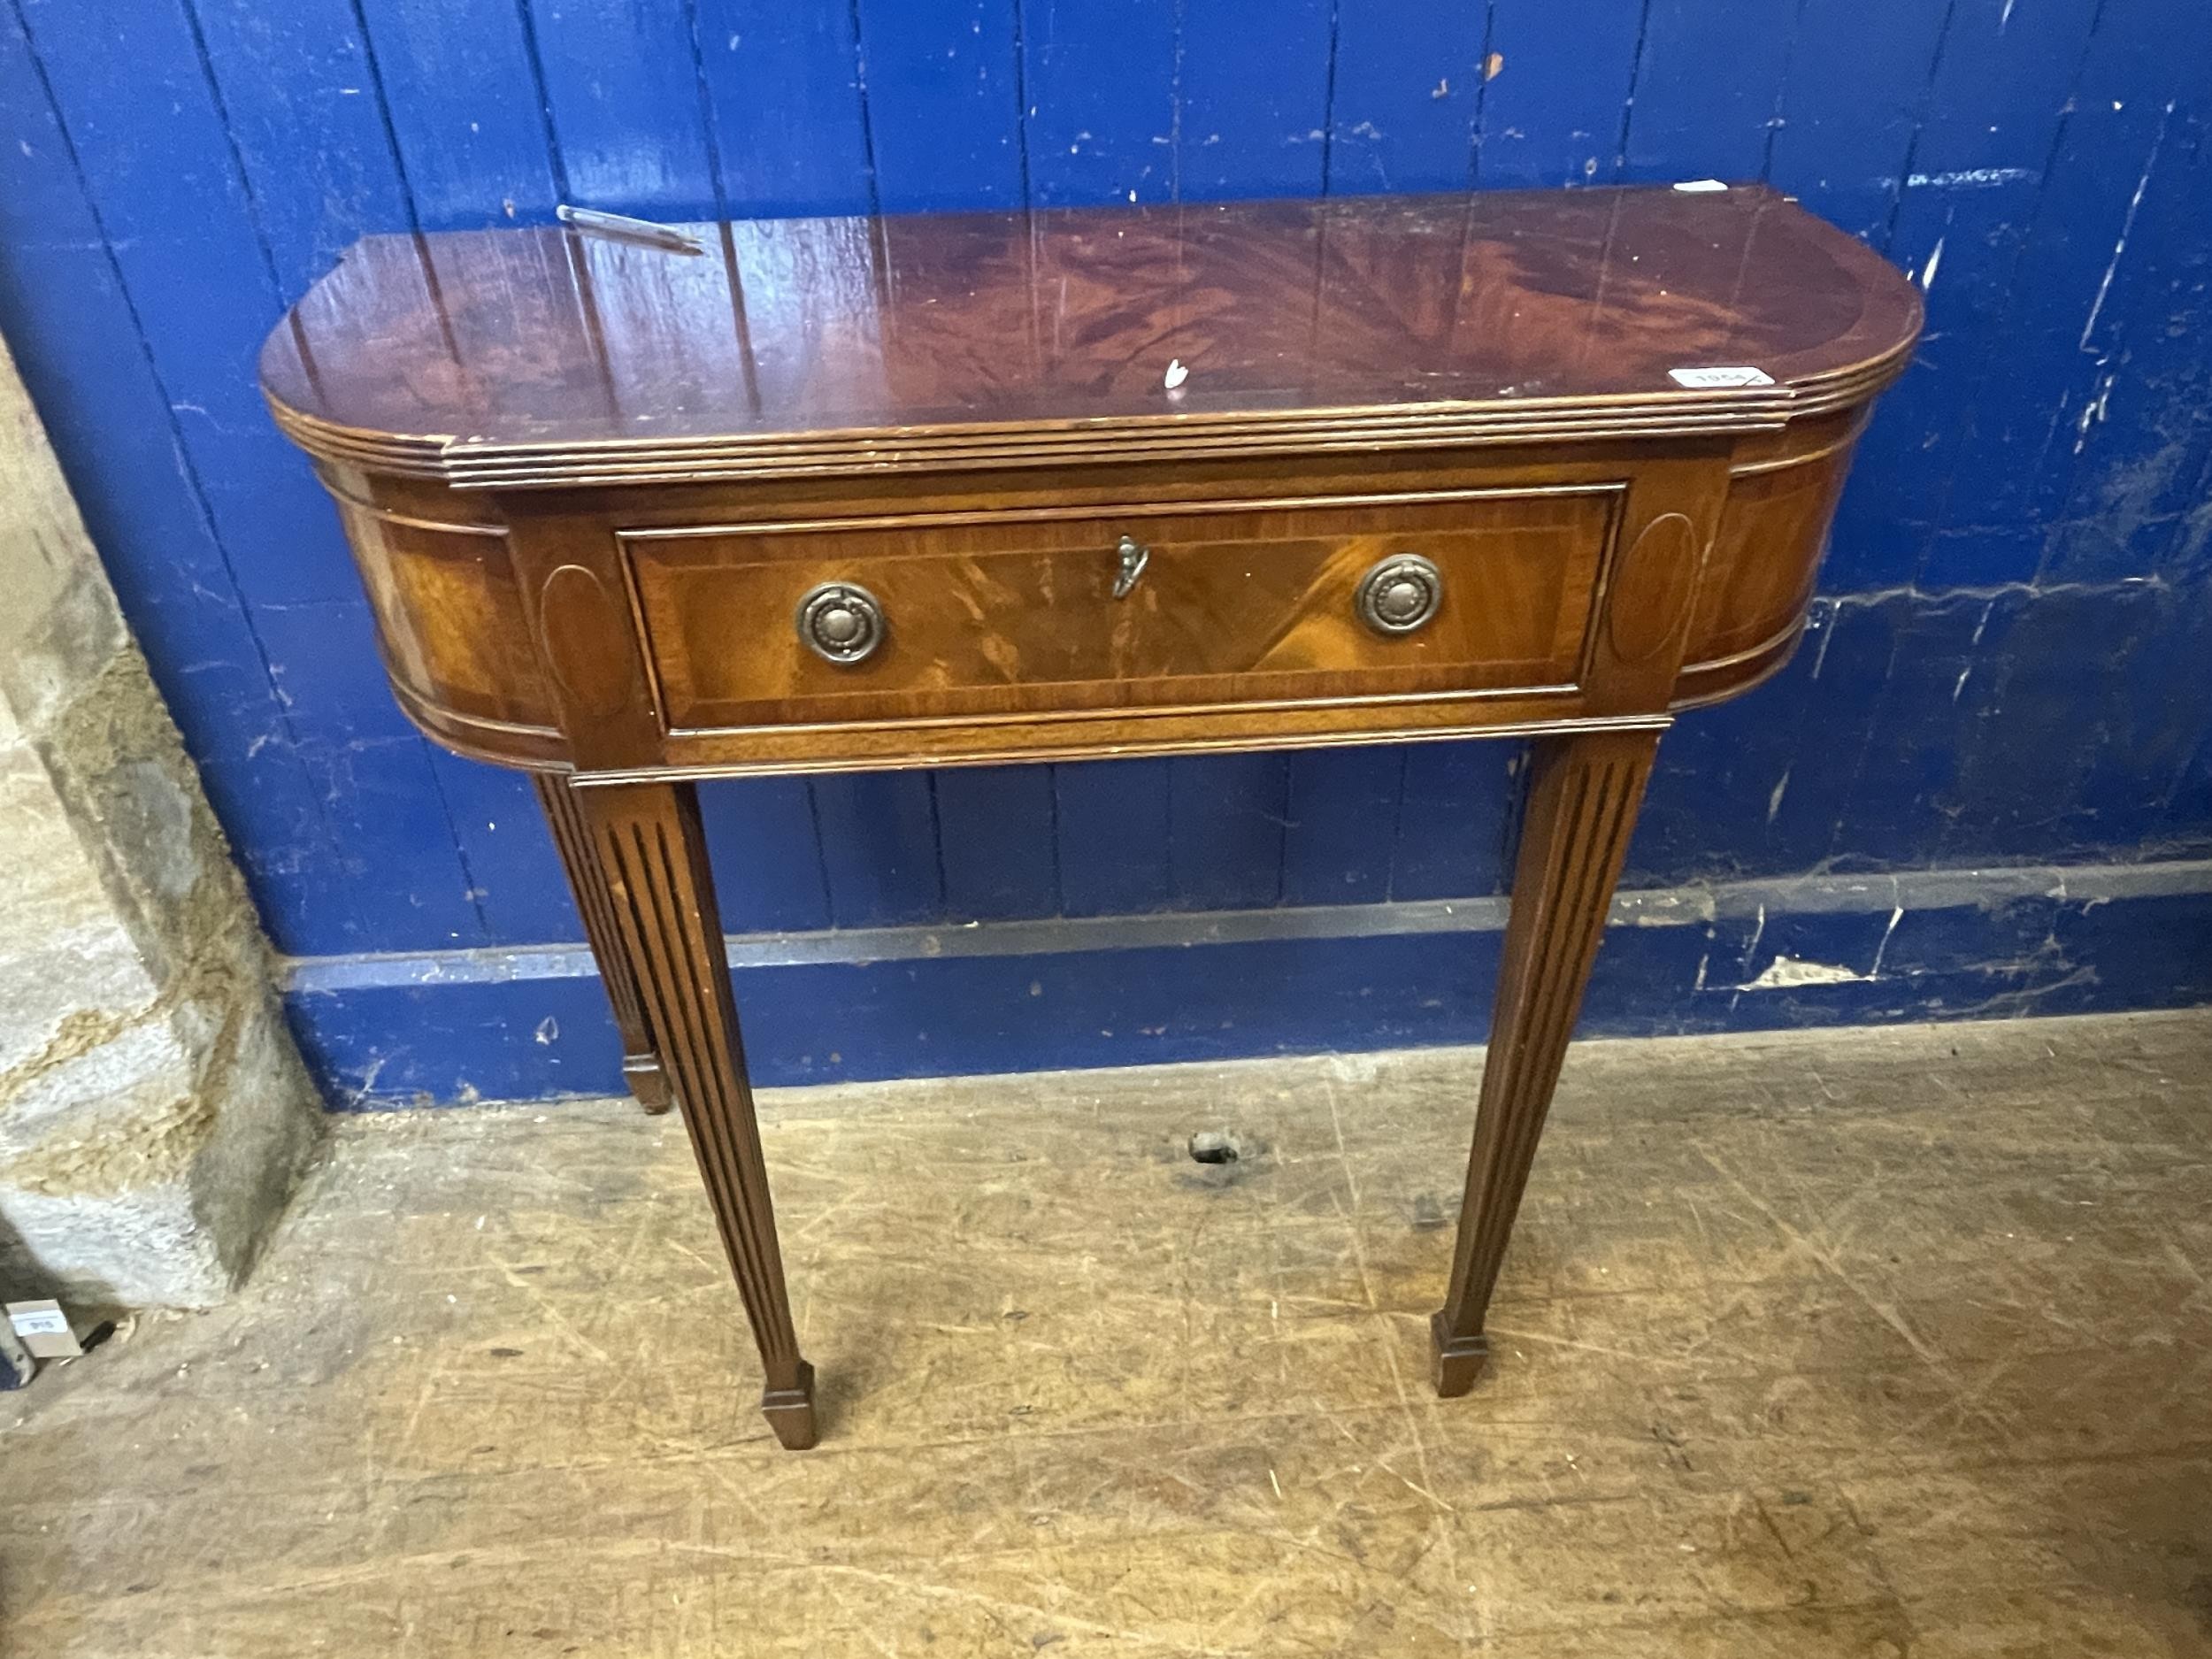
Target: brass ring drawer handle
[(840, 622), (1400, 594)]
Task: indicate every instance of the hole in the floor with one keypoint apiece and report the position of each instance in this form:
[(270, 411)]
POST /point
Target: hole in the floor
[(1215, 1146)]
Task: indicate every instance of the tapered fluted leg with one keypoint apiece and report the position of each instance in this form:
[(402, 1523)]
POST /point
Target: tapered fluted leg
[(662, 895), (641, 1061), (1582, 800)]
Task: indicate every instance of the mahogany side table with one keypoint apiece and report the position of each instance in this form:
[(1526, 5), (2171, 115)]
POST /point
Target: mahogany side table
[(813, 495)]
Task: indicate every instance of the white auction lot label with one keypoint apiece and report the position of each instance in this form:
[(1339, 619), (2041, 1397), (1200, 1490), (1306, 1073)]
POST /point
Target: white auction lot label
[(1707, 380)]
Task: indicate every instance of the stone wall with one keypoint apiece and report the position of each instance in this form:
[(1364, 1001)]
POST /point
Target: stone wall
[(154, 1114)]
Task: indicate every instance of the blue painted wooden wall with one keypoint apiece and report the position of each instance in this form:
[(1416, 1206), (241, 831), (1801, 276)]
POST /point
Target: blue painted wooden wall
[(2010, 664)]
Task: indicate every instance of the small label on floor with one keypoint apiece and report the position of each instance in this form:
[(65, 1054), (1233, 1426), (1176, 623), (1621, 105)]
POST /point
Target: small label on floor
[(44, 1329), (1708, 379)]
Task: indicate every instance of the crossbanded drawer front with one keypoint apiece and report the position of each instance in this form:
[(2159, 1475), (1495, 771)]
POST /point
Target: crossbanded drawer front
[(976, 615)]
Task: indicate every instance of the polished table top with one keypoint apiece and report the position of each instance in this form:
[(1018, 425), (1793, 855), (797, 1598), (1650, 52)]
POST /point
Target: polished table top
[(820, 343)]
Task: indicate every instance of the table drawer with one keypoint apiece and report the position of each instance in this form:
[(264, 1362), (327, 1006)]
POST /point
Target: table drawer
[(965, 615)]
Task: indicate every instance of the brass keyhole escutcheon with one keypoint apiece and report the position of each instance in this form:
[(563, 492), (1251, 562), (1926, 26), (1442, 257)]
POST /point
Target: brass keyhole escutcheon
[(840, 622), (1400, 594)]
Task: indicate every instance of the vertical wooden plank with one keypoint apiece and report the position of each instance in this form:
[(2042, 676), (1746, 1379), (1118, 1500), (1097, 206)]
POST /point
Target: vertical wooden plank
[(1977, 748), (878, 832), (1756, 785), (2184, 818), (944, 112), (2013, 466), (521, 890), (622, 93), (1859, 84), (1340, 820), (1554, 110), (2161, 703), (388, 814), (2141, 457), (323, 662), (1975, 175), (395, 842), (783, 93), (1851, 110), (766, 853), (1341, 824), (137, 101), (466, 110), (1252, 114), (1100, 78), (1408, 78), (76, 340), (79, 322), (1114, 837), (997, 842), (304, 102), (1225, 818), (1452, 823), (1995, 104), (389, 821), (1905, 779), (380, 812), (2084, 761), (1709, 82), (278, 817)]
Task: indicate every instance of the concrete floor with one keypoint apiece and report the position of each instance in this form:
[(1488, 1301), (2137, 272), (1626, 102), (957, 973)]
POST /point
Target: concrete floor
[(1858, 1342)]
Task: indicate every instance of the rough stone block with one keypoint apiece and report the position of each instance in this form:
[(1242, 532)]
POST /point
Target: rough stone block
[(154, 1114)]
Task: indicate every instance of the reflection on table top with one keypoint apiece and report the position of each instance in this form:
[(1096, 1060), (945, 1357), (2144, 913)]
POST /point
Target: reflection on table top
[(787, 328)]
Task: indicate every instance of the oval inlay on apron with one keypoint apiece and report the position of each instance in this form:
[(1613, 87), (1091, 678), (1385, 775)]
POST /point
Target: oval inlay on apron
[(1651, 587), (585, 640)]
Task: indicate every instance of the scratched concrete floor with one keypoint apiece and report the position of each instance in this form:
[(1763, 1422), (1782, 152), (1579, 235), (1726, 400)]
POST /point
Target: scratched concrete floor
[(1857, 1342)]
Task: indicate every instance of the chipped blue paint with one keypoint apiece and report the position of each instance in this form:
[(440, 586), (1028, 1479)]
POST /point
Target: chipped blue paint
[(2005, 668), (1118, 991)]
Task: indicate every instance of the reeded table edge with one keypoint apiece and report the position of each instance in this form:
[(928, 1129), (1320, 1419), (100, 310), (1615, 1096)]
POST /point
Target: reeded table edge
[(958, 446)]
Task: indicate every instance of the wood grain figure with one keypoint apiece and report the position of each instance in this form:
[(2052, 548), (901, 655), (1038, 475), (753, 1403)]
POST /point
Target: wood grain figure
[(1547, 465)]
